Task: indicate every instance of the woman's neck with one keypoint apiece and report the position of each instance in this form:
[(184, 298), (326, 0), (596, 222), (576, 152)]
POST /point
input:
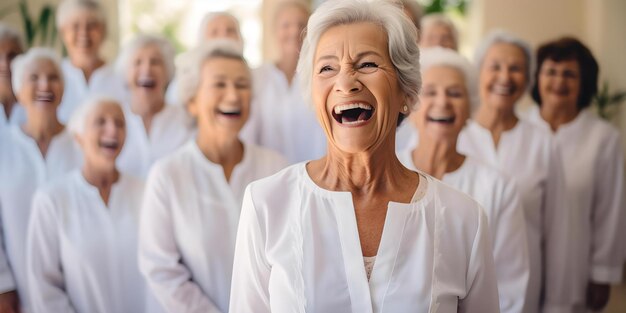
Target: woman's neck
[(558, 115), (227, 151), (497, 121), (7, 99), (437, 157), (147, 111), (42, 128), (88, 65), (102, 178), (288, 66)]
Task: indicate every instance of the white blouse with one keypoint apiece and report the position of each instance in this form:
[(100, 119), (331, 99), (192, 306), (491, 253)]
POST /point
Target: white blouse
[(593, 158), (82, 253), (188, 226), (528, 156), (499, 197), (22, 170), (170, 128), (17, 117), (298, 250), (281, 119)]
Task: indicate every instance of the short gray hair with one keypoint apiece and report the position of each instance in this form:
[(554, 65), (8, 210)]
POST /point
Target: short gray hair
[(501, 36), (209, 17), (284, 4), (401, 34), (438, 56), (23, 62), (9, 33), (123, 62), (78, 121), (441, 20), (69, 7), (189, 64)]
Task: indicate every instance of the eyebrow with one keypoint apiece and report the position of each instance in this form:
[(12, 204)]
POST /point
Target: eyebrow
[(358, 56)]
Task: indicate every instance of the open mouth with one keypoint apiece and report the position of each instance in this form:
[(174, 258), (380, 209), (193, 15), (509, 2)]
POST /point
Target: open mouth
[(146, 82), (109, 145), (229, 113), (83, 43), (44, 97), (353, 113), (503, 90), (446, 120)]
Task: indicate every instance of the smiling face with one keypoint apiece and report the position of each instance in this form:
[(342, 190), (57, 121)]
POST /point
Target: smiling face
[(82, 34), (290, 22), (42, 88), (9, 49), (222, 102), (437, 35), (503, 76), (104, 135), (147, 75), (222, 27), (559, 83), (355, 87), (444, 104)]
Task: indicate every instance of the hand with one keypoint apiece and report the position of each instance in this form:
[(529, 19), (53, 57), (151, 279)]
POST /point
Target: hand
[(597, 296), (9, 302)]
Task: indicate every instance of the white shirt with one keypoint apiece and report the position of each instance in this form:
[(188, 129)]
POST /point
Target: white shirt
[(103, 81), (298, 250), (170, 128), (529, 158), (22, 170), (281, 119), (188, 226), (82, 253), (18, 116), (498, 196), (593, 158)]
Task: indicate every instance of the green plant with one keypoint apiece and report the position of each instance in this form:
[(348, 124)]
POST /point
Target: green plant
[(442, 6), (37, 31), (605, 101)]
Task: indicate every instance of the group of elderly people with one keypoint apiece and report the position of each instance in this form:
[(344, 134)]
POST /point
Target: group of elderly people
[(415, 186)]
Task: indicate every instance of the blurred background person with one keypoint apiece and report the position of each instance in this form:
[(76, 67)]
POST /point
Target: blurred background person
[(31, 154), (11, 113), (154, 128), (415, 12), (448, 93), (82, 235), (438, 31), (193, 197), (528, 156), (566, 80), (82, 28)]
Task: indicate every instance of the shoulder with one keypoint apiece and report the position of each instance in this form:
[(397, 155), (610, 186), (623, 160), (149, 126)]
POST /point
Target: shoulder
[(285, 183), (602, 129), (455, 206), (57, 190), (173, 162)]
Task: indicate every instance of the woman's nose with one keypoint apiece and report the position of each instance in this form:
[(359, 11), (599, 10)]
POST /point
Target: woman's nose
[(347, 82)]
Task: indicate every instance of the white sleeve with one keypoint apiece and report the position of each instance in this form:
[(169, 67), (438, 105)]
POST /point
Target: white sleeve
[(482, 295), (46, 281), (510, 251), (557, 226), (251, 274), (170, 281), (7, 282), (607, 220)]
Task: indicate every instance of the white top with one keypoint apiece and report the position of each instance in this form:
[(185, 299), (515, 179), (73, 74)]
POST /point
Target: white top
[(298, 250), (406, 136), (281, 119), (22, 170), (103, 81), (82, 253), (188, 226), (527, 155), (593, 158), (18, 116), (498, 196), (169, 129)]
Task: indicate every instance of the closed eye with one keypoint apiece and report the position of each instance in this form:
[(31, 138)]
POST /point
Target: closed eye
[(326, 68), (368, 64)]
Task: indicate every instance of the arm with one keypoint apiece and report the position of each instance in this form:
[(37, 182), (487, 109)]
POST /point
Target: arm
[(46, 282), (250, 284), (169, 279), (7, 282)]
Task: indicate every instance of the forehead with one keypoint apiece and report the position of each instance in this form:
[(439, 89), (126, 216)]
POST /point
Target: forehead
[(352, 38), (443, 74), (41, 65), (505, 51), (221, 20), (80, 14), (567, 63), (106, 108), (148, 50), (224, 66), (438, 28), (291, 11)]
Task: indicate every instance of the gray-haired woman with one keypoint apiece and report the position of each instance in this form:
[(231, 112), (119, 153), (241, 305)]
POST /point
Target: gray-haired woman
[(355, 231)]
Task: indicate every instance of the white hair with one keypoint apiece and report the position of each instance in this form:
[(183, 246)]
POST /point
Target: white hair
[(401, 35), (284, 4), (501, 36), (78, 121), (68, 7), (189, 64), (437, 19), (125, 58), (9, 33), (22, 63), (439, 56), (211, 16)]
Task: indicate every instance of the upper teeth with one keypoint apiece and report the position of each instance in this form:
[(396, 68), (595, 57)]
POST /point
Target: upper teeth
[(230, 111), (44, 96), (343, 107), (502, 89)]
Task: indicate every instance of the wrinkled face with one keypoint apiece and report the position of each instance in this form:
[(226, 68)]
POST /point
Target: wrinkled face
[(9, 49), (147, 75), (104, 134), (290, 22), (82, 34), (444, 104), (42, 88), (503, 76), (437, 35), (355, 88), (222, 27), (559, 83), (222, 102)]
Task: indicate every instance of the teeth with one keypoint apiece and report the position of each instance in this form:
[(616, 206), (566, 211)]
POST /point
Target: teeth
[(146, 82), (340, 108), (230, 111), (44, 96), (502, 90)]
